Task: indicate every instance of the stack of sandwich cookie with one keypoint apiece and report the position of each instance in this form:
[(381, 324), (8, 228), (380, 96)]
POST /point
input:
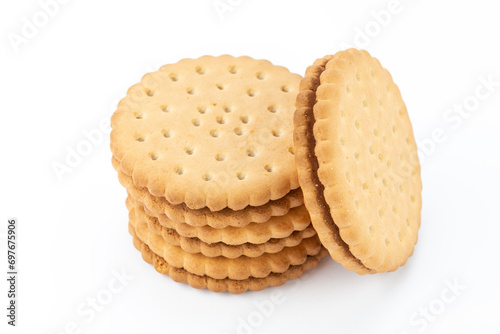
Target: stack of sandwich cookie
[(204, 148)]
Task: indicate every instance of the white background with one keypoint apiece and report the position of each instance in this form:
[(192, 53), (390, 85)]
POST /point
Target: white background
[(68, 76)]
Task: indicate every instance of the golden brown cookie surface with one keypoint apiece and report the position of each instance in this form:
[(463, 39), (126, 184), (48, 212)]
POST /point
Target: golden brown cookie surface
[(220, 285), (307, 166), (210, 132), (195, 245), (201, 217), (257, 233), (219, 267), (367, 161)]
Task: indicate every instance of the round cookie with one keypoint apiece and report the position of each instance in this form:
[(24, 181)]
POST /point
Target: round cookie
[(220, 285), (307, 167), (195, 245), (201, 217), (367, 162), (219, 267), (210, 132), (256, 233)]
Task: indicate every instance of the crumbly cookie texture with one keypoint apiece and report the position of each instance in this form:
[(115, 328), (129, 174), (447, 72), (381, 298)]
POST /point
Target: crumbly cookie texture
[(210, 132)]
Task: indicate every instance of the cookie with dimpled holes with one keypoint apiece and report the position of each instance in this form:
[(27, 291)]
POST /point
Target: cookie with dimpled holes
[(359, 171), (211, 132), (219, 219), (307, 166)]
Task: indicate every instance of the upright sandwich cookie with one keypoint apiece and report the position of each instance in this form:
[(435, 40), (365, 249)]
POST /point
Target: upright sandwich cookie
[(357, 162)]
